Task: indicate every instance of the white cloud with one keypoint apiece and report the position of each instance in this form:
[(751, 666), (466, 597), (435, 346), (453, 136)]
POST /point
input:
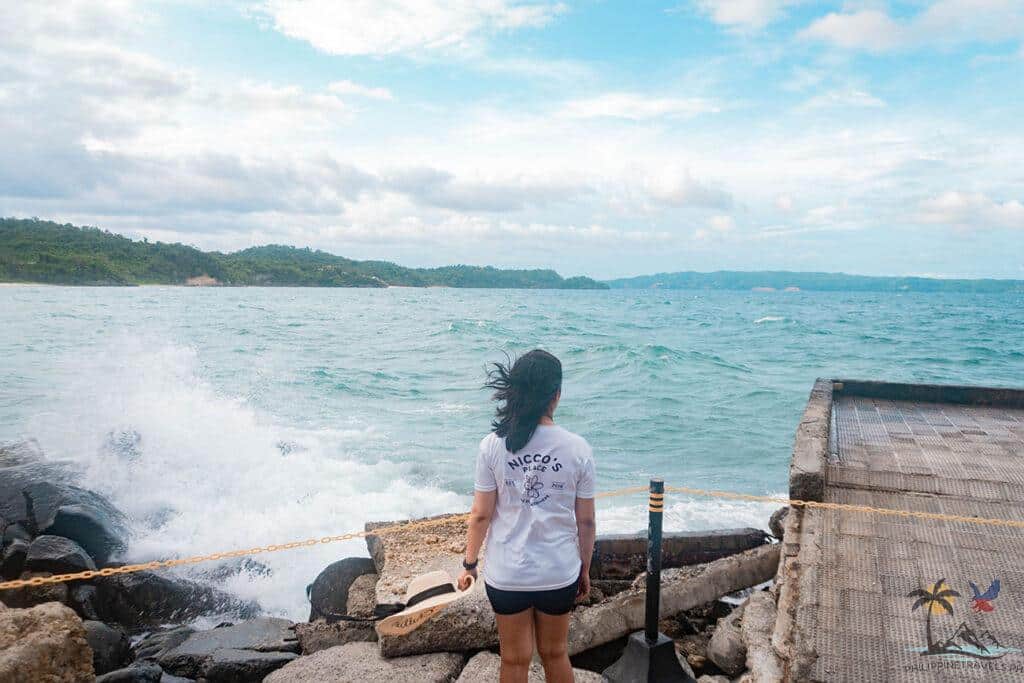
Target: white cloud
[(350, 88), (846, 98), (744, 14), (972, 211), (945, 22), (635, 107), (381, 27), (784, 203), (676, 187)]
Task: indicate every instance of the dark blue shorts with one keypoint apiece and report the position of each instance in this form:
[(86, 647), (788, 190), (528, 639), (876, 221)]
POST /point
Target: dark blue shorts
[(554, 602)]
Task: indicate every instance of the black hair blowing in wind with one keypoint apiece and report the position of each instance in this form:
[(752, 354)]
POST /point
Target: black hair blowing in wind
[(524, 390)]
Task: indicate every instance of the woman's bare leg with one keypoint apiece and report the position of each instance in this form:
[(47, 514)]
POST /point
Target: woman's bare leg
[(515, 635), (553, 646)]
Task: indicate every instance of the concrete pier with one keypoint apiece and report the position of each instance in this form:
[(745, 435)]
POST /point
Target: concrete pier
[(849, 581)]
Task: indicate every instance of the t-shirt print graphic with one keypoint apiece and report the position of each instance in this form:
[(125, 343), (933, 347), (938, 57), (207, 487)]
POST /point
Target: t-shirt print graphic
[(532, 488)]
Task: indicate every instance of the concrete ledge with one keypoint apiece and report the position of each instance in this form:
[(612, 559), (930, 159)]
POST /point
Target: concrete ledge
[(810, 450), (623, 556), (933, 393)]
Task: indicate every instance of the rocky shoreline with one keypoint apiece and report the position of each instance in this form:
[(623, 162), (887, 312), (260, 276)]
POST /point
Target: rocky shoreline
[(139, 627)]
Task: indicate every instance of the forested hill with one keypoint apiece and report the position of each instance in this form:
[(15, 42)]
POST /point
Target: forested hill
[(829, 282), (42, 251)]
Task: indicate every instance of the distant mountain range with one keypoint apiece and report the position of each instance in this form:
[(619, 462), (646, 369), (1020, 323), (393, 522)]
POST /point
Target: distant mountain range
[(33, 250), (43, 251), (829, 282)]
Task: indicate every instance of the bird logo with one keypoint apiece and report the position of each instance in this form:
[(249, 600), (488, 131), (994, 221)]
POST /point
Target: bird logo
[(982, 602)]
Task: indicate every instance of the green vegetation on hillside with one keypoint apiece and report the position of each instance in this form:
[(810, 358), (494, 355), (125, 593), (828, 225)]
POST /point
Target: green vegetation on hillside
[(829, 282), (32, 250)]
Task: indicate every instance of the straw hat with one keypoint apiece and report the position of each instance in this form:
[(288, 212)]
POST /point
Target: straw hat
[(427, 595)]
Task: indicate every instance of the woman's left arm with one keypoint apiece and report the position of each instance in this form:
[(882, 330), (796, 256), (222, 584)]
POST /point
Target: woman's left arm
[(479, 520)]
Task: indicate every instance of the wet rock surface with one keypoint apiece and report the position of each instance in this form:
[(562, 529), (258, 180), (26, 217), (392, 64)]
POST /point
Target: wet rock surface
[(111, 648), (143, 599), (35, 494), (232, 650), (57, 555)]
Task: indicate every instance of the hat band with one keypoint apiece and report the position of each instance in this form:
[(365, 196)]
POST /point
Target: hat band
[(443, 589)]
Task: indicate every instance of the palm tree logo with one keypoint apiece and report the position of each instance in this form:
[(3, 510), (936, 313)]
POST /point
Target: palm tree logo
[(937, 600), (965, 643)]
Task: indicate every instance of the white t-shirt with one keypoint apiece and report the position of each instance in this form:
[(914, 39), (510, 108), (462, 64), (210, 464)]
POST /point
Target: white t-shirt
[(533, 542)]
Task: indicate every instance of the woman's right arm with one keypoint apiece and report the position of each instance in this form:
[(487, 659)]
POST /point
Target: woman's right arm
[(479, 520)]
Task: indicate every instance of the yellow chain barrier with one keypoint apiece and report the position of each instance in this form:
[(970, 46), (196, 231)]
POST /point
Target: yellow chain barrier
[(405, 526)]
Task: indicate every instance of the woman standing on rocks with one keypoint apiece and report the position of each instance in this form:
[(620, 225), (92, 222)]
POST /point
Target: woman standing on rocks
[(534, 500)]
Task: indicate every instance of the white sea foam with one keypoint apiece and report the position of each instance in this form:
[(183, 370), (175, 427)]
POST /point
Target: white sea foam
[(769, 319), (199, 472)]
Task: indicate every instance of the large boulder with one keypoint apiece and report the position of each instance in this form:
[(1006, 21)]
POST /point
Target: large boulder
[(322, 634), (12, 561), (154, 644), (467, 624), (328, 594), (763, 662), (363, 662), (143, 599), (44, 643), (485, 667), (57, 555), (220, 651), (38, 496), (726, 648), (111, 648)]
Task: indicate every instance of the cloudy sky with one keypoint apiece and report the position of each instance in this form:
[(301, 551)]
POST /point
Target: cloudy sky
[(596, 137)]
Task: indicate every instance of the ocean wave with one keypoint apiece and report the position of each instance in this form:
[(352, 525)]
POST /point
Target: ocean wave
[(197, 472)]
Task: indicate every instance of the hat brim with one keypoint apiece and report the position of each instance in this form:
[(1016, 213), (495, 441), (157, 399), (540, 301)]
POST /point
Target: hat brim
[(408, 620)]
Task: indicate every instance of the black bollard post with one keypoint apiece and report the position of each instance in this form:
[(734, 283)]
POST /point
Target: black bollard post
[(650, 656), (656, 509)]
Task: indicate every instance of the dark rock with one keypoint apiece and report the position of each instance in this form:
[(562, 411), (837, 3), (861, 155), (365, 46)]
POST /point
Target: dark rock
[(328, 594), (90, 527), (242, 666), (58, 555), (265, 634), (110, 646), (13, 531), (13, 560), (82, 598), (778, 522), (137, 673), (155, 644), (320, 635), (36, 595), (39, 497), (142, 599)]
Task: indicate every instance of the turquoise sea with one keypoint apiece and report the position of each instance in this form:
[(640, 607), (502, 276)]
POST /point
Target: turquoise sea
[(226, 418)]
